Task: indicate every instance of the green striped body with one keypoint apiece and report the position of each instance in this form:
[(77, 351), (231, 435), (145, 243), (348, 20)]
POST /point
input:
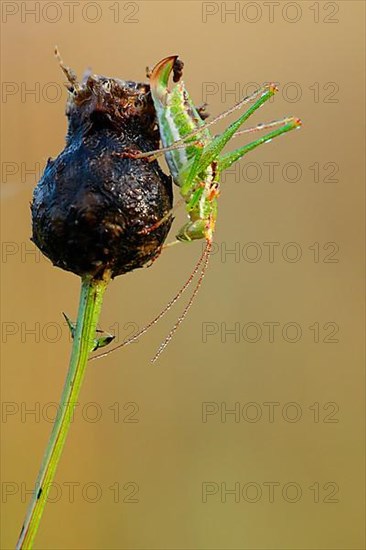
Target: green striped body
[(178, 117), (196, 166)]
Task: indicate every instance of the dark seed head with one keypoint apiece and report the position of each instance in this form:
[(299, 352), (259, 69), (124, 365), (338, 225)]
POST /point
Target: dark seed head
[(92, 204)]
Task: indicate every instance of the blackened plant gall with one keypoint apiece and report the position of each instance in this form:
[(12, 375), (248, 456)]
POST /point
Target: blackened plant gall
[(92, 205)]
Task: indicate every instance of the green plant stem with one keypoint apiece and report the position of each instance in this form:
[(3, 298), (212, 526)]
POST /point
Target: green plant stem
[(90, 305)]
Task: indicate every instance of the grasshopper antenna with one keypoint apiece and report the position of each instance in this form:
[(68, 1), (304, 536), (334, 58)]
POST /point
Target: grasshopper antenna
[(205, 258), (162, 313)]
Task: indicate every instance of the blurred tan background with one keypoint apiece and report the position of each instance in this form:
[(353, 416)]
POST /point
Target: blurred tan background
[(153, 454)]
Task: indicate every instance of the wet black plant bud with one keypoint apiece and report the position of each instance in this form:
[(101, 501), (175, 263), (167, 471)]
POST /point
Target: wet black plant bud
[(92, 204)]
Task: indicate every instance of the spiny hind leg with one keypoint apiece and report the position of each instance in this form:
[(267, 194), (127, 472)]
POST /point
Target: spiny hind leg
[(265, 93), (216, 145), (225, 161), (180, 144)]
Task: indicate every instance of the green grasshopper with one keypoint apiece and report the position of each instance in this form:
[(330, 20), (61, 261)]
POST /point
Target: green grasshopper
[(196, 161), (196, 168)]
